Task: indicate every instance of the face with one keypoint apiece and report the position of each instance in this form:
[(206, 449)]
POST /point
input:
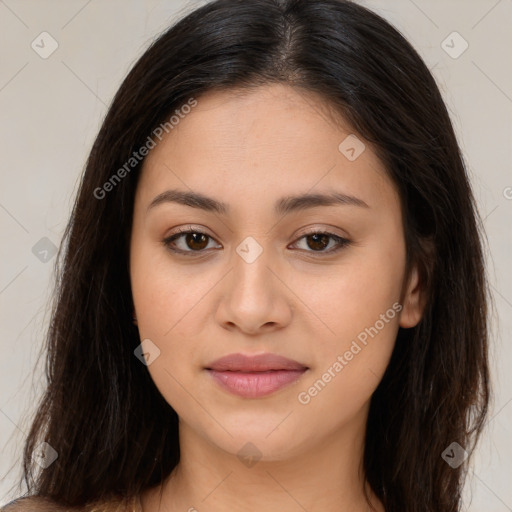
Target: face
[(248, 268)]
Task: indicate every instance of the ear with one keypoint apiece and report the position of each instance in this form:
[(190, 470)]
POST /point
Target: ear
[(413, 300)]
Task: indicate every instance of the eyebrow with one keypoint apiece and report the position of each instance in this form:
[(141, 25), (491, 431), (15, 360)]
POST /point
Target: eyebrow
[(283, 206)]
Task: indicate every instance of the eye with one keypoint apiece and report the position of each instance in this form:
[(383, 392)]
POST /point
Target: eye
[(192, 241), (189, 241), (318, 241)]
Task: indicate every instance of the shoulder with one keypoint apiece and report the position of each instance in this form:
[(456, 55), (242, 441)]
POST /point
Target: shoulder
[(32, 504), (41, 504)]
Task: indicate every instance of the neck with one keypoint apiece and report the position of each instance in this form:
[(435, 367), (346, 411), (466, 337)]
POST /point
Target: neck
[(326, 476)]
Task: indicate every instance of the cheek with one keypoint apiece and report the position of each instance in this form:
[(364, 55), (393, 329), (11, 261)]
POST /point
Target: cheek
[(171, 302), (360, 306), (165, 302), (345, 383), (352, 296), (166, 296), (350, 365)]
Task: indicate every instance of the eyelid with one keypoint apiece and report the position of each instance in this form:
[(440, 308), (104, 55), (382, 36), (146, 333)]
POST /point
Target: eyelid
[(312, 230)]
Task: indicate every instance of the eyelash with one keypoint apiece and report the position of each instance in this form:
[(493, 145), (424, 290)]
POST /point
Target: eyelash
[(342, 242)]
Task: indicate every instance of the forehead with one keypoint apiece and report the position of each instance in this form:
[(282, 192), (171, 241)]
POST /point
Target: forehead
[(268, 140)]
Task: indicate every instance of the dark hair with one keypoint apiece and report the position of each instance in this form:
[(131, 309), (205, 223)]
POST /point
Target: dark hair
[(112, 429)]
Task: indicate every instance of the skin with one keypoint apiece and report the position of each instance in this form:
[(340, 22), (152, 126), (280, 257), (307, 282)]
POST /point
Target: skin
[(249, 150)]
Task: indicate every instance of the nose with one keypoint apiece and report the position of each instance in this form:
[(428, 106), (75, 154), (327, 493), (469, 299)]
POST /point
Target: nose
[(254, 297)]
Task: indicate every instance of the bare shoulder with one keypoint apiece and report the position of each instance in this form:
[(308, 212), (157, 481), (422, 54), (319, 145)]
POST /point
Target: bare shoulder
[(33, 504), (41, 504)]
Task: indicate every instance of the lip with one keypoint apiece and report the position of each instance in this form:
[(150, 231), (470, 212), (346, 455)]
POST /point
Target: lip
[(255, 376)]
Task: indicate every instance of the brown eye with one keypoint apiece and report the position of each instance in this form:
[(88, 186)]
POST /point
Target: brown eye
[(196, 241), (188, 242), (319, 241)]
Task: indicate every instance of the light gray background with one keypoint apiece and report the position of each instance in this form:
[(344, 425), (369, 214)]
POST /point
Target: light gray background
[(52, 108)]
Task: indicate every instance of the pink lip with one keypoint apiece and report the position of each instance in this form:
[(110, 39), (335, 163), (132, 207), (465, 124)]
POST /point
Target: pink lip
[(255, 376)]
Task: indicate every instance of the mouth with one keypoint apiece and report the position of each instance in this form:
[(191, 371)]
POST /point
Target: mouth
[(255, 376)]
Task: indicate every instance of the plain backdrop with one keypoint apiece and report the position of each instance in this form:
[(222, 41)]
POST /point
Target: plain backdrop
[(52, 106)]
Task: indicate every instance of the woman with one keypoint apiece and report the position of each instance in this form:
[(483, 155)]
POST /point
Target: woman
[(272, 294)]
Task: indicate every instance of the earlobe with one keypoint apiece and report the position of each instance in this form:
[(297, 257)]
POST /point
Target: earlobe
[(413, 301)]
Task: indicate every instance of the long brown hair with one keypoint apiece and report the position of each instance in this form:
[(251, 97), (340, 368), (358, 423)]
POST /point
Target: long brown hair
[(112, 429)]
